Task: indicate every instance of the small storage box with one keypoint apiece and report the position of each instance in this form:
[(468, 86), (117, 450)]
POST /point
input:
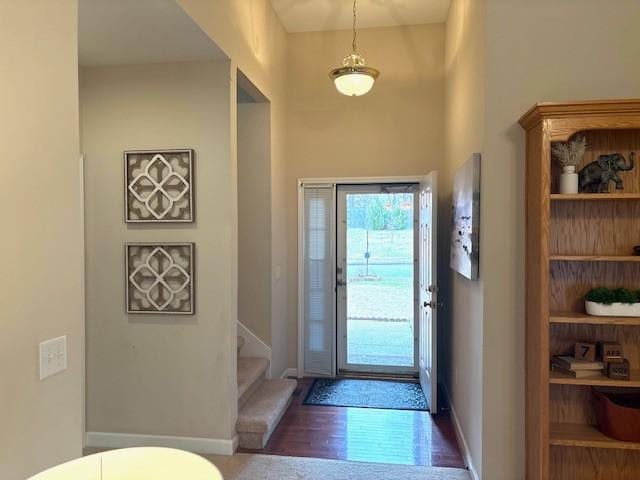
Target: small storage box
[(618, 413)]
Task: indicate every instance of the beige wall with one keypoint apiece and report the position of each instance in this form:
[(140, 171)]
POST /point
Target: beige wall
[(254, 219), (548, 50), (396, 129), (464, 135), (41, 203), (251, 34), (522, 52), (160, 374)]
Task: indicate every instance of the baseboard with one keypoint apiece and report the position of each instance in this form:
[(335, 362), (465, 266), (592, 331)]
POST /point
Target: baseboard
[(462, 441), (289, 372), (214, 446)]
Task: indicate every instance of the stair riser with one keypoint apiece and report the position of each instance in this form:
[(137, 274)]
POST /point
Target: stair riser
[(257, 441), (251, 374), (250, 391)]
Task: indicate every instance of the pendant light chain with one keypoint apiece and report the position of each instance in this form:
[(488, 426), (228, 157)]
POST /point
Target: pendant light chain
[(354, 77), (354, 26)]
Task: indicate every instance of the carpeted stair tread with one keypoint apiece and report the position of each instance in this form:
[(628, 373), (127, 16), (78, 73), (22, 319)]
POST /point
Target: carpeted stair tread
[(250, 371), (265, 407)]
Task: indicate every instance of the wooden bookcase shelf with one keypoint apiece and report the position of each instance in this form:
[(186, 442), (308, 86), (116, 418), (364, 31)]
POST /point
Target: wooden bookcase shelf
[(575, 243), (580, 435), (594, 196), (584, 319), (559, 378), (596, 258)]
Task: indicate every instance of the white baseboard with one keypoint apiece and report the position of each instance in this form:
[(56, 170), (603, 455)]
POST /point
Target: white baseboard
[(462, 441), (214, 446), (289, 372)]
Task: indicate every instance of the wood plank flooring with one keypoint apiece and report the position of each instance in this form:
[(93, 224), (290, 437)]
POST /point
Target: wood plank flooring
[(364, 434)]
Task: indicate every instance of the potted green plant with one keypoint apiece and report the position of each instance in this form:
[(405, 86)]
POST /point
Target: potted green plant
[(619, 302)]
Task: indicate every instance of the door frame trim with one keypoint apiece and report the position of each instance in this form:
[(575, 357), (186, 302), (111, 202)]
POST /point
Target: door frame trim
[(300, 260)]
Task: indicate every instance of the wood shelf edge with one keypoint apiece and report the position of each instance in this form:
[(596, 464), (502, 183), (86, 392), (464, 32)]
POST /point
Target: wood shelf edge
[(557, 378), (577, 435), (594, 196), (595, 258), (584, 319)]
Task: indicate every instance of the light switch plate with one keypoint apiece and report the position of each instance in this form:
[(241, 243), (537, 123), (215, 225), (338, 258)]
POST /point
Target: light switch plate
[(53, 356)]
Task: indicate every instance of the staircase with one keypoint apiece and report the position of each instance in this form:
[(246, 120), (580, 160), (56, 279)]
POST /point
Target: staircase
[(261, 402)]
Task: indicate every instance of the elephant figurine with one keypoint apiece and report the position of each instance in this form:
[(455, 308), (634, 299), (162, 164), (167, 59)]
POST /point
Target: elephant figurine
[(595, 176)]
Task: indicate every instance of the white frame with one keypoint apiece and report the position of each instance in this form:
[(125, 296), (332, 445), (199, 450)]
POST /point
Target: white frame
[(428, 377), (334, 181), (192, 183), (301, 274), (343, 367)]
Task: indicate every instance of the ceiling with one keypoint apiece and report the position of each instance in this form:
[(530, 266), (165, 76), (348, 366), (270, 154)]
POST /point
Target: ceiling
[(122, 32), (319, 15)]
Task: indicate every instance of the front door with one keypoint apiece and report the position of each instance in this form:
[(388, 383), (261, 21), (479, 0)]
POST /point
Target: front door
[(428, 348), (377, 279)]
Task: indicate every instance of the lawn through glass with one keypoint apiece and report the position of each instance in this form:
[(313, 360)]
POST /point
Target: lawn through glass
[(380, 275)]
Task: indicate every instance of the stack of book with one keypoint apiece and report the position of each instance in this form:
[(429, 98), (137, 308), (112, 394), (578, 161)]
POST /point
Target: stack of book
[(576, 368)]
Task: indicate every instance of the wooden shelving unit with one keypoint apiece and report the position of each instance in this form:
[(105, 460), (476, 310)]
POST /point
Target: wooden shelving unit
[(574, 243)]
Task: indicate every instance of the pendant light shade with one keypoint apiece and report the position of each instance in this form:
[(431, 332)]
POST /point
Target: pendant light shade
[(354, 78)]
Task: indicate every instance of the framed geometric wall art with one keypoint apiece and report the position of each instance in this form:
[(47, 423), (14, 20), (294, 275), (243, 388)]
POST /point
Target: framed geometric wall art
[(158, 186), (465, 219), (160, 278)]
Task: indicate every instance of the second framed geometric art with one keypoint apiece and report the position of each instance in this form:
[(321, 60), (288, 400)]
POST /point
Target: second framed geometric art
[(160, 278)]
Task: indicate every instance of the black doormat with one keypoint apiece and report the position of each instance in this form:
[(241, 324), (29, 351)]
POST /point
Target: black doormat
[(366, 394)]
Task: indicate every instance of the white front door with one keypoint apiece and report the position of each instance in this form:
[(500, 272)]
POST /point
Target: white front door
[(428, 345), (377, 278)]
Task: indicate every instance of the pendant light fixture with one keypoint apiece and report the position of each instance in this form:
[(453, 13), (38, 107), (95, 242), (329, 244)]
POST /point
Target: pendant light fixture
[(354, 78)]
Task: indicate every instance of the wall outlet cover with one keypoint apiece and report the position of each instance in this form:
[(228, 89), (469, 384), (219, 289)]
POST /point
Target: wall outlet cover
[(53, 356)]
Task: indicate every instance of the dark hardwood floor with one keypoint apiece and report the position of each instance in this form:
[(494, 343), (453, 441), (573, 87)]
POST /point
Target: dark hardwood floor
[(364, 434)]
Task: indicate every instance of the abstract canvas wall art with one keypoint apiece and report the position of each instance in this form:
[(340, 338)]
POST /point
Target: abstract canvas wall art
[(465, 219), (159, 186), (160, 278)]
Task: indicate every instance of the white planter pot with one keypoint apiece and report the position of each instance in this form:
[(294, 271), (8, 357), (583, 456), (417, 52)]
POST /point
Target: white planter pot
[(613, 310), (569, 180)]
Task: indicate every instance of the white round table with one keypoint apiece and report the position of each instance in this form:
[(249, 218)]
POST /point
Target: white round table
[(144, 463)]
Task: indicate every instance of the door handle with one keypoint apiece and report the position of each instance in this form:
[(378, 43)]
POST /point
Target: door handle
[(432, 304)]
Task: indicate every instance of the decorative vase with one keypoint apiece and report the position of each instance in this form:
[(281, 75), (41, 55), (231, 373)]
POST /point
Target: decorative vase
[(569, 180)]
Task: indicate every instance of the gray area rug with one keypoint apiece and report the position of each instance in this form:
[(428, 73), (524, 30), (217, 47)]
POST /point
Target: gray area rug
[(243, 466), (366, 394)]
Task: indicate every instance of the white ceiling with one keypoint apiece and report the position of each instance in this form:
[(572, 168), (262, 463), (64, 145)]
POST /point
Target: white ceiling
[(319, 15), (122, 32)]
